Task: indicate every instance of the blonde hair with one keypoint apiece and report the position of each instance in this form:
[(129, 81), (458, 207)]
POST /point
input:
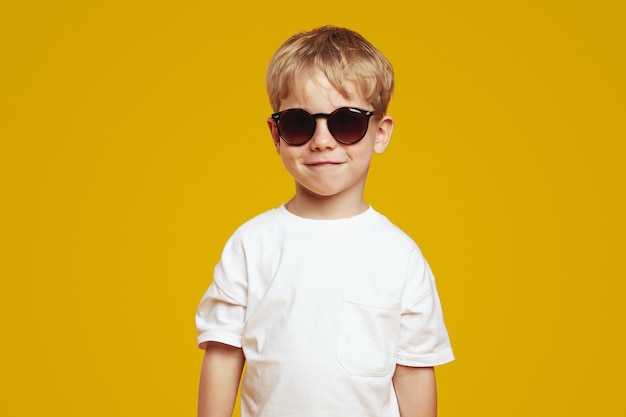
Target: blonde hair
[(338, 53)]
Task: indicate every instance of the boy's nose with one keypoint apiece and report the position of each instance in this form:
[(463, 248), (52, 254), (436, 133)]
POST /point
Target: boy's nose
[(322, 139)]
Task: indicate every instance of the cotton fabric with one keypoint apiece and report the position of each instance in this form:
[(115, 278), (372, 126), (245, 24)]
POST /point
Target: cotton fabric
[(323, 310)]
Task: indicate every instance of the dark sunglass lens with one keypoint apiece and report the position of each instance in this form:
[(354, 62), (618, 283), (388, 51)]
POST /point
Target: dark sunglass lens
[(348, 125), (296, 126)]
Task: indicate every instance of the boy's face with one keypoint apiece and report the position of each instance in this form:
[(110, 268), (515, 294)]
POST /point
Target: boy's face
[(322, 166)]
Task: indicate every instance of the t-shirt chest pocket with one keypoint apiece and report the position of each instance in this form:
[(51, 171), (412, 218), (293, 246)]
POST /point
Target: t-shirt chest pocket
[(368, 336)]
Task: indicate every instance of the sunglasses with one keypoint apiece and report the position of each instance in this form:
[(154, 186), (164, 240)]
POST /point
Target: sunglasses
[(348, 125)]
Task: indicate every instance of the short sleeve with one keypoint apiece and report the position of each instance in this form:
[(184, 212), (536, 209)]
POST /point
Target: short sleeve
[(423, 338), (221, 313)]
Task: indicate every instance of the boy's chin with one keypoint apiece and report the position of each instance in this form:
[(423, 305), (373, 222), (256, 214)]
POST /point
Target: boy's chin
[(324, 194), (320, 192)]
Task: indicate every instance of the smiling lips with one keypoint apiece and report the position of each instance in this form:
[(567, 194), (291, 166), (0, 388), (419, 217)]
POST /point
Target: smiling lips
[(322, 163)]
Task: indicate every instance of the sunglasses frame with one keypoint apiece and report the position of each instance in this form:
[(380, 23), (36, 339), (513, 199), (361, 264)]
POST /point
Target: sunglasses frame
[(367, 113)]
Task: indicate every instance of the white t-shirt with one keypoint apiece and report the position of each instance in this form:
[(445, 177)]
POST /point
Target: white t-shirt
[(324, 310)]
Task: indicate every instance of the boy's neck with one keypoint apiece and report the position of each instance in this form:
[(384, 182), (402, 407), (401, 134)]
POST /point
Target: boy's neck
[(312, 206)]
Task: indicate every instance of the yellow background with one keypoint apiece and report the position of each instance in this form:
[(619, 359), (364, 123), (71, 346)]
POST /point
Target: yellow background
[(133, 141)]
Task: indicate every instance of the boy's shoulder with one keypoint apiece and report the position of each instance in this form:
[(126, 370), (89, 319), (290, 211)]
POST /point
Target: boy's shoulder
[(259, 223), (394, 232), (279, 220)]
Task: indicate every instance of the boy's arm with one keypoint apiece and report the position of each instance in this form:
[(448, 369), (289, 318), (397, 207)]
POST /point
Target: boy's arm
[(416, 391), (219, 380)]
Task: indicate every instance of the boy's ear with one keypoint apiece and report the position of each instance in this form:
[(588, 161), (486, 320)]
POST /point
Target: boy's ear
[(274, 132), (383, 134)]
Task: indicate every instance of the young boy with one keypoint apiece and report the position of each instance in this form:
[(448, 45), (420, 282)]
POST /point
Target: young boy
[(331, 307)]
